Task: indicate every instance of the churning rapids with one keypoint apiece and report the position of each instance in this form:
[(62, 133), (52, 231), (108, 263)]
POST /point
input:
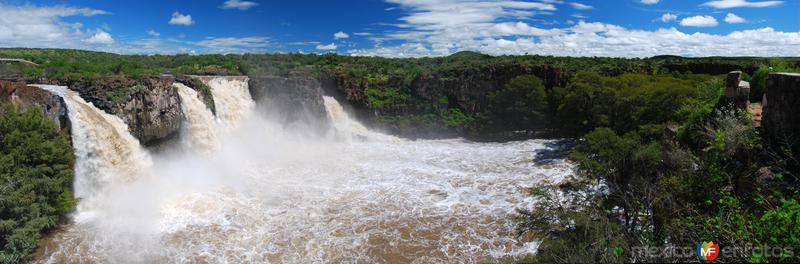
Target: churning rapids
[(245, 189)]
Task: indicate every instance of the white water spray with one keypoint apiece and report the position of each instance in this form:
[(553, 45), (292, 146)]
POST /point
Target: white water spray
[(268, 195)]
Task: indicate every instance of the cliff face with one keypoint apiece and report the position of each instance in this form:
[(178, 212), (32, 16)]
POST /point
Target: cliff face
[(781, 109), (295, 101), (467, 88), (24, 97), (150, 106)]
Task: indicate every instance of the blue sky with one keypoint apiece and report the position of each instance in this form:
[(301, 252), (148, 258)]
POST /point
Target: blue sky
[(409, 28)]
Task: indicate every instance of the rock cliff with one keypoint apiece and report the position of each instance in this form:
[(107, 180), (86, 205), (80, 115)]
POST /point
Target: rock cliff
[(294, 100), (149, 105), (24, 97), (466, 88)]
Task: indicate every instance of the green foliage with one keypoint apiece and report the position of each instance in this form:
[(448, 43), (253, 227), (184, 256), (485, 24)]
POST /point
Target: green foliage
[(522, 104), (571, 234), (626, 102), (387, 98), (663, 193), (36, 175), (118, 94), (453, 118)]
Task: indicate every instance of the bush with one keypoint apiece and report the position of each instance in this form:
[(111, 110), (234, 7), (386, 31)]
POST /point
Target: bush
[(36, 175)]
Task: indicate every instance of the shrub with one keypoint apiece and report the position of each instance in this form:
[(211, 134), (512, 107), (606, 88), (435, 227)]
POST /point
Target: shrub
[(36, 175)]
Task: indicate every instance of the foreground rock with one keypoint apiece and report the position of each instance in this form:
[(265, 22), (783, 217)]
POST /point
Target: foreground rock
[(781, 110)]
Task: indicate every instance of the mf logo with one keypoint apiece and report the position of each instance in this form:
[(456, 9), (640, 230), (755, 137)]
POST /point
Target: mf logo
[(707, 251)]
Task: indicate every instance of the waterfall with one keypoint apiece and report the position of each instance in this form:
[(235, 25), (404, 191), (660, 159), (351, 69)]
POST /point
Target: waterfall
[(232, 99), (348, 127), (200, 129), (106, 153)]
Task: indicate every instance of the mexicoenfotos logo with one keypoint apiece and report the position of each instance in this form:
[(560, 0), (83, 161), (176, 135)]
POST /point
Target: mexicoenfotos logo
[(707, 251)]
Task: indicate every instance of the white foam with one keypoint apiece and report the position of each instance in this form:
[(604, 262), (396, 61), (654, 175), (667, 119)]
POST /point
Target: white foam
[(269, 195)]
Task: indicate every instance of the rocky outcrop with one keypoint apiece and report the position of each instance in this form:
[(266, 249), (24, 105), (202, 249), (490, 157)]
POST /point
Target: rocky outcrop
[(737, 92), (25, 97), (149, 105), (781, 112), (294, 101)]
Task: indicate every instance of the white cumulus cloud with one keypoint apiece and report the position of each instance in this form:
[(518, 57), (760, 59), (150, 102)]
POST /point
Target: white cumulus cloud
[(238, 4), (43, 26), (101, 37), (331, 46), (699, 21), (153, 33), (732, 18), (340, 35), (722, 4), (181, 19), (600, 39), (650, 2), (668, 17)]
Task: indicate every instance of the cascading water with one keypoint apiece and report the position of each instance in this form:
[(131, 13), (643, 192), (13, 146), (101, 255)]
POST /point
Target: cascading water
[(266, 194), (106, 153), (231, 99), (346, 126), (201, 131)]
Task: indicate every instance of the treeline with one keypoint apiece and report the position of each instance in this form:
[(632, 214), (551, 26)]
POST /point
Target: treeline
[(36, 174), (416, 96)]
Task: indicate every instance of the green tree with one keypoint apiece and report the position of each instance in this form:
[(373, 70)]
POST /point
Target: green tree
[(522, 104), (35, 180)]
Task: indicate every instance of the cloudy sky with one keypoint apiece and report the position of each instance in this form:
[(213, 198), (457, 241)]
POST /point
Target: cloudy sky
[(409, 28)]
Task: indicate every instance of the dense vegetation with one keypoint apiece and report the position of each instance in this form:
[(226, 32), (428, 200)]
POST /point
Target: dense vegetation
[(36, 175), (666, 164)]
